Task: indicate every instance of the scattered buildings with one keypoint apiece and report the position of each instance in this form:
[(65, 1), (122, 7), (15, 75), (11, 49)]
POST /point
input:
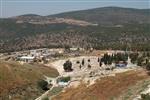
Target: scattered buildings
[(29, 56)]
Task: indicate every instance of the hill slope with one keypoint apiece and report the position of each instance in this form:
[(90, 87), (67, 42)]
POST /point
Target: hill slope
[(109, 88), (110, 15), (20, 81), (101, 28)]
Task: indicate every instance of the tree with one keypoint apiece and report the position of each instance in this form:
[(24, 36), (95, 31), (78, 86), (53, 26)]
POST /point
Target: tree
[(134, 57), (68, 66), (106, 59), (98, 59), (148, 66), (78, 62), (148, 54), (139, 61), (100, 63), (89, 66), (80, 66), (110, 60), (147, 61), (43, 85), (82, 62), (88, 60)]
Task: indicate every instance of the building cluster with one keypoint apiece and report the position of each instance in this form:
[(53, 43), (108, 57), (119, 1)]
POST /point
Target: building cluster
[(39, 55)]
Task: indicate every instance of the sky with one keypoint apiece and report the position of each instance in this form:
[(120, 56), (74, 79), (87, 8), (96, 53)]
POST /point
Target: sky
[(10, 8)]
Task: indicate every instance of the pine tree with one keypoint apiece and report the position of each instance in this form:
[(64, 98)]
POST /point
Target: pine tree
[(100, 63), (82, 62), (98, 60)]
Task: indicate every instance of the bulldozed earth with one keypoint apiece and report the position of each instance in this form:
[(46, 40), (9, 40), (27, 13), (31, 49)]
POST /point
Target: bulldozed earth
[(122, 86)]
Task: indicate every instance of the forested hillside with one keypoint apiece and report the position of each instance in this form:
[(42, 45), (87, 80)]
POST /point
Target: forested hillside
[(100, 28)]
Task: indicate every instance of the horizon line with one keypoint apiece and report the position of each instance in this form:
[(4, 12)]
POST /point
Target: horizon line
[(74, 11)]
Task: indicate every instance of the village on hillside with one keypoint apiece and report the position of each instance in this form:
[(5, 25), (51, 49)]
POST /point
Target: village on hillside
[(74, 49), (77, 65)]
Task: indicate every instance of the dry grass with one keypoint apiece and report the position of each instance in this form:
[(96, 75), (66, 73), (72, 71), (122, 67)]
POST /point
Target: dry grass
[(16, 76), (105, 89)]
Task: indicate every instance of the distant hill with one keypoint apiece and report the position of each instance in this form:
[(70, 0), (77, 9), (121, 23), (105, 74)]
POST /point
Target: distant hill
[(30, 15), (20, 81), (109, 15), (100, 28)]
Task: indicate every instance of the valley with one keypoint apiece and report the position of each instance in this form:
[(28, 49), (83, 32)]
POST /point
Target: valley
[(94, 54)]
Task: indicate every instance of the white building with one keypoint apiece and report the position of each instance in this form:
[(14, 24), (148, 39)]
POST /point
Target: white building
[(27, 58), (57, 50), (77, 49)]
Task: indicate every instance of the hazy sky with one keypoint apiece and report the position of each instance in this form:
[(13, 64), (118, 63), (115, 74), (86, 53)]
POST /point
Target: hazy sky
[(10, 8)]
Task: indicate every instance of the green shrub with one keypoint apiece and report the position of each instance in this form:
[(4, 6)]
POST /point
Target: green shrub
[(43, 85), (68, 66), (78, 62), (145, 96), (65, 79), (46, 98)]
